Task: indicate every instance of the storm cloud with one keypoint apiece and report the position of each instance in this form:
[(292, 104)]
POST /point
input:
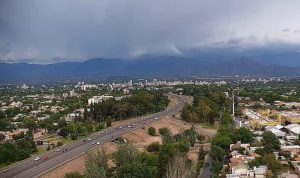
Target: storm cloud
[(47, 31)]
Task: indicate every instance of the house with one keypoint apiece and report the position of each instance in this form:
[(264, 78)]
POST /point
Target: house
[(293, 129), (294, 149)]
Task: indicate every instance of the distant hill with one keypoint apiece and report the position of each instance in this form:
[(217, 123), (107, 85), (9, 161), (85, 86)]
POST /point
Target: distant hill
[(149, 66)]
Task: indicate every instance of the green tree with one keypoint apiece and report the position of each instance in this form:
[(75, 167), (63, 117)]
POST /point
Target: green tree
[(151, 131), (63, 132), (270, 141), (30, 124), (166, 153), (108, 122), (243, 134), (2, 137), (96, 164), (154, 147)]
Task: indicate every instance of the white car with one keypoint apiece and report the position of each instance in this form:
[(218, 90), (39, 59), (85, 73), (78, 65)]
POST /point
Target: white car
[(36, 158), (89, 139), (155, 118), (98, 143), (129, 126), (133, 124), (58, 150)]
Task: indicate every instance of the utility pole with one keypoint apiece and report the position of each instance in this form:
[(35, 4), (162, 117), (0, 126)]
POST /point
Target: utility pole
[(232, 104)]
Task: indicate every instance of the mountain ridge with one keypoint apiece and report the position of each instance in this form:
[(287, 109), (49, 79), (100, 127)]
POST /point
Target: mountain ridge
[(158, 67)]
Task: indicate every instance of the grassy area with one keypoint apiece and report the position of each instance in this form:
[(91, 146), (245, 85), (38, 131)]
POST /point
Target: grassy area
[(208, 126), (2, 165), (41, 150), (56, 139)]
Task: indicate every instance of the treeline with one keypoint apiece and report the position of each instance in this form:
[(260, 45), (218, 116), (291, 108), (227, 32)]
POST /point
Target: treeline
[(141, 103), (207, 104), (287, 91), (166, 160)]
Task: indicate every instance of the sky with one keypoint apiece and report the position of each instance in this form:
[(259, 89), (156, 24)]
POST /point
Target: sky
[(49, 31)]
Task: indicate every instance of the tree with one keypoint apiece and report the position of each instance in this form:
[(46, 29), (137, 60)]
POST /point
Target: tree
[(4, 124), (201, 153), (30, 124), (2, 137), (165, 155), (151, 131), (243, 134), (108, 122), (222, 141), (217, 154), (85, 114), (270, 141), (63, 132), (179, 166), (154, 147), (96, 164)]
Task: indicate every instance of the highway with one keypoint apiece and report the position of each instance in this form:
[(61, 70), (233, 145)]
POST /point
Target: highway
[(29, 168)]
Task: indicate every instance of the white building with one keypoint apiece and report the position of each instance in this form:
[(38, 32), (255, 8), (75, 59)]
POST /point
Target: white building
[(98, 99)]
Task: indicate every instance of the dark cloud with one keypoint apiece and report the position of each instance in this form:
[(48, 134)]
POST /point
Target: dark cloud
[(48, 30)]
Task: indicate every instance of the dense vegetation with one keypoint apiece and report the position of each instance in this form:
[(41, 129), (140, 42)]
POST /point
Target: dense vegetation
[(207, 104), (20, 148), (139, 104), (283, 91)]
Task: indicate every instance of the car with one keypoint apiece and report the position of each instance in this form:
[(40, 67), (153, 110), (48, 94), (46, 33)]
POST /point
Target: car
[(155, 118), (120, 127), (36, 158), (98, 143), (145, 123), (46, 158), (94, 143), (206, 164), (89, 139), (102, 132), (133, 124), (58, 150), (129, 126)]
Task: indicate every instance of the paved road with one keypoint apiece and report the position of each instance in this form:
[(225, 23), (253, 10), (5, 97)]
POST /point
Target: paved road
[(30, 168), (206, 173)]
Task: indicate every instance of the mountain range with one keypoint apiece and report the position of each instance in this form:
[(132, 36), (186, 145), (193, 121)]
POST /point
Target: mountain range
[(272, 65)]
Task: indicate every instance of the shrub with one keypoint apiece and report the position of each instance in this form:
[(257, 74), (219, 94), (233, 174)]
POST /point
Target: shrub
[(164, 131), (182, 146), (74, 174), (74, 136), (99, 127), (154, 147), (151, 131), (59, 144)]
